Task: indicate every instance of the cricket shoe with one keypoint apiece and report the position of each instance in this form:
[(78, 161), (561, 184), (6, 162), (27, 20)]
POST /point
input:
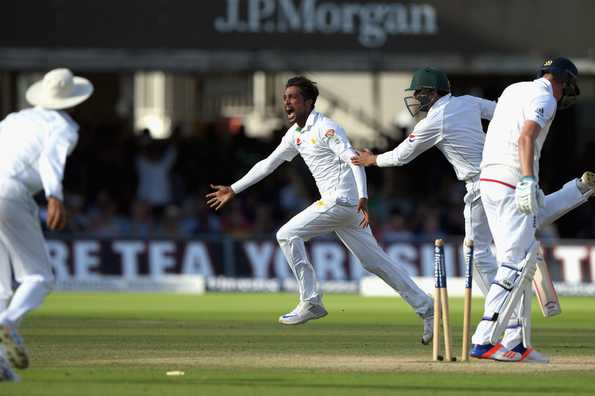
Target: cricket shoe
[(6, 371), (304, 312), (521, 354), (586, 183), (428, 330), (14, 346), (487, 351)]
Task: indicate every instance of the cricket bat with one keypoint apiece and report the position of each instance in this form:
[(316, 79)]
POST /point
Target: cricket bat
[(545, 290)]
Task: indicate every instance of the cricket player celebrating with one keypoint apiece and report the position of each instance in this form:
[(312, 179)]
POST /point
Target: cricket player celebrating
[(453, 125), (342, 207), (34, 144), (513, 201)]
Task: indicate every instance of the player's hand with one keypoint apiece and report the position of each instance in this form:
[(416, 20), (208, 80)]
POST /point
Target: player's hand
[(221, 196), (56, 214), (362, 207), (364, 158), (529, 197)]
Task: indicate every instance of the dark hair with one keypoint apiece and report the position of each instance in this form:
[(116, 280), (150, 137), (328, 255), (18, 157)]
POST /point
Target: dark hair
[(307, 87)]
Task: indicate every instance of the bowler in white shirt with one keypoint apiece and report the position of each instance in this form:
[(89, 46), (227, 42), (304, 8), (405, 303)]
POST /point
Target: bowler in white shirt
[(342, 207)]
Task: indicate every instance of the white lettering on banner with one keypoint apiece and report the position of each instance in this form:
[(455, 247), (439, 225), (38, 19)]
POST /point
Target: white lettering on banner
[(259, 10), (85, 259), (129, 252), (328, 258), (160, 259), (404, 254), (427, 259), (372, 23), (571, 257), (449, 260), (58, 253), (259, 256), (196, 260), (81, 259)]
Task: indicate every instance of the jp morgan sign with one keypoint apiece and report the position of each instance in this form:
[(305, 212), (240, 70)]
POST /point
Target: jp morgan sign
[(370, 23)]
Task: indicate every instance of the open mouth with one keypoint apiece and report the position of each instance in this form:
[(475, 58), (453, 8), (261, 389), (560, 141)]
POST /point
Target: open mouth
[(290, 113)]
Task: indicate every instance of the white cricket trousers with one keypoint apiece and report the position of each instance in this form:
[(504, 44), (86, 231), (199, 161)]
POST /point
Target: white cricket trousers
[(323, 217), (477, 229), (24, 255), (513, 234)]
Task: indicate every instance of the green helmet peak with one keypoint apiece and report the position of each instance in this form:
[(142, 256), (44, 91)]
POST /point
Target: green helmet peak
[(429, 78)]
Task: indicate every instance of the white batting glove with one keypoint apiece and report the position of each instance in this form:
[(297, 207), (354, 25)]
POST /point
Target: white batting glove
[(528, 195)]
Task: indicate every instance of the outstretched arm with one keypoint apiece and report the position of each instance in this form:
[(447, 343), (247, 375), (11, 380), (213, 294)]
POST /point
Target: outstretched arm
[(425, 136), (224, 194)]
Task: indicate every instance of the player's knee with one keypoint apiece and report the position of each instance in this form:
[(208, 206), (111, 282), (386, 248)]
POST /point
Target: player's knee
[(484, 260), (47, 282), (284, 235)]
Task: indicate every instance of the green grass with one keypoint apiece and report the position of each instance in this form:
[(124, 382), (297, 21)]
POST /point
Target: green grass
[(230, 344)]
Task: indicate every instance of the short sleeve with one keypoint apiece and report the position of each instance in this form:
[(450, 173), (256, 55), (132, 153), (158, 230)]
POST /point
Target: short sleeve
[(541, 109), (487, 108)]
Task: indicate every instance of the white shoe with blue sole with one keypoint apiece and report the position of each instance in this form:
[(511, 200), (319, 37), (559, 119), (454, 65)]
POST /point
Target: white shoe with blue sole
[(304, 312)]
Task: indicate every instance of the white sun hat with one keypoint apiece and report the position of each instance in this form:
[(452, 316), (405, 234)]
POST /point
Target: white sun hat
[(59, 89)]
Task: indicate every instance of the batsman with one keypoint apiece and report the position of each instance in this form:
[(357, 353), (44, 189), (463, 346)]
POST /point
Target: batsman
[(513, 201)]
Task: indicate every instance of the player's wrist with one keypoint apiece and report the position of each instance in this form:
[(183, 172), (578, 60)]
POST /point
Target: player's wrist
[(528, 178)]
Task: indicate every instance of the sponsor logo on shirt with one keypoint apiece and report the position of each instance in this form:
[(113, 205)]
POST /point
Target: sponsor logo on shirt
[(313, 141), (540, 113)]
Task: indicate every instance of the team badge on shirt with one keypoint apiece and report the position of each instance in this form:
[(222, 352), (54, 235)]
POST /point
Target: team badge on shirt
[(298, 141), (411, 137), (330, 133)]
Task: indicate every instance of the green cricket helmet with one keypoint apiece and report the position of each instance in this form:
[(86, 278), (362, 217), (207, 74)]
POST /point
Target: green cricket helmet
[(423, 83)]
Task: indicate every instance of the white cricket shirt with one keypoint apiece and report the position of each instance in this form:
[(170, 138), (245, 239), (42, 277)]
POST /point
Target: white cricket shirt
[(453, 125), (34, 144), (326, 150), (530, 100)]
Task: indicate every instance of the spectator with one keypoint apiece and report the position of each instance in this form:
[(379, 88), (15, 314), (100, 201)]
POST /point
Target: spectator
[(154, 166)]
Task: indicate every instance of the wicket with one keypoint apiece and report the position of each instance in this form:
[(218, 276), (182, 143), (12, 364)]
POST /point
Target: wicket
[(441, 309), (467, 308)]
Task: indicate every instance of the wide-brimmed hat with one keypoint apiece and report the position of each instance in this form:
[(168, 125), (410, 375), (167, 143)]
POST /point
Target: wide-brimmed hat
[(59, 89)]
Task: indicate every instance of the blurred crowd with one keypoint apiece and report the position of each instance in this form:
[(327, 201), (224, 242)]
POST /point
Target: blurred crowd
[(120, 184)]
